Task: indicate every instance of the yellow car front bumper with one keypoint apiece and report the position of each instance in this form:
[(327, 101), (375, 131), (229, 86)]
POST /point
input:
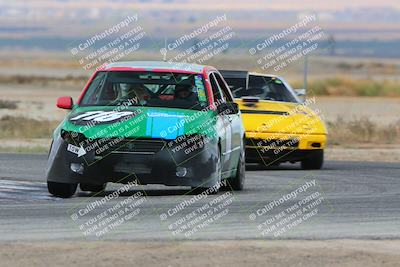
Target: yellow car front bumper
[(304, 141), (281, 147)]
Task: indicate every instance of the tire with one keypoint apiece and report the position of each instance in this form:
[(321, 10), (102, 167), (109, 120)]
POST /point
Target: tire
[(314, 162), (237, 182), (199, 190), (62, 190), (92, 187)]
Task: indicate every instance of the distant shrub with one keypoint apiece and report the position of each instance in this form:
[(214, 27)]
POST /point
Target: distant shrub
[(43, 80), (6, 104), (347, 87), (362, 130), (21, 127)]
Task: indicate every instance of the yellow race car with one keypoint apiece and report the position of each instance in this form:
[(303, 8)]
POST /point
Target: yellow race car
[(279, 126)]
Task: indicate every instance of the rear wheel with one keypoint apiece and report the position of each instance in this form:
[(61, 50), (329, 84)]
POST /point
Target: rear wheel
[(314, 162), (92, 187), (61, 189)]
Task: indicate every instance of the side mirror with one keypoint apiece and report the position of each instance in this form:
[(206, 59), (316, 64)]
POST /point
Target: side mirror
[(65, 102), (300, 92), (228, 108)]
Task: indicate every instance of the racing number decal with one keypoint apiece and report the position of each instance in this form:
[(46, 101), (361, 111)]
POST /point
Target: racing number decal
[(101, 116)]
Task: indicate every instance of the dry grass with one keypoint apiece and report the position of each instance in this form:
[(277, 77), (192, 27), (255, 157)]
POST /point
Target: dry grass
[(362, 130), (43, 80), (348, 87), (20, 127)]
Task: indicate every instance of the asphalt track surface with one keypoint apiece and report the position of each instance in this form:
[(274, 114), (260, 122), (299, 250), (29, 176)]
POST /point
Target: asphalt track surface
[(349, 200)]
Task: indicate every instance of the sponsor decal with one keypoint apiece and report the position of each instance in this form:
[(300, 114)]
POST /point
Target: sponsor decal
[(80, 151), (200, 88), (97, 117), (164, 124)]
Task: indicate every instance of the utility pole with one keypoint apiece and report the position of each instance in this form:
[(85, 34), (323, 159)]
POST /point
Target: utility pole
[(165, 49), (305, 72)]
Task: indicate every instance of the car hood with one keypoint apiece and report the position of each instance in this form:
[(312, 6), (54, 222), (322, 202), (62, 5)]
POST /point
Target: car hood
[(137, 122), (280, 117)]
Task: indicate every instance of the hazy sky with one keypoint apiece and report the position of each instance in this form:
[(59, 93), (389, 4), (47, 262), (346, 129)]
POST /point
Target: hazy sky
[(202, 4), (77, 17)]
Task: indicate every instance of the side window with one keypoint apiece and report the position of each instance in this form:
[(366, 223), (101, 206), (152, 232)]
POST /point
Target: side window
[(258, 81), (224, 89), (215, 88)]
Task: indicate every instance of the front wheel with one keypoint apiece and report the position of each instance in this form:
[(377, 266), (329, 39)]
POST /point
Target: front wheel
[(314, 162), (62, 190), (218, 171), (237, 182)]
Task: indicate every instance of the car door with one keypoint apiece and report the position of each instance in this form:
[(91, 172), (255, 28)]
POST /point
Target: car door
[(235, 123), (223, 126)]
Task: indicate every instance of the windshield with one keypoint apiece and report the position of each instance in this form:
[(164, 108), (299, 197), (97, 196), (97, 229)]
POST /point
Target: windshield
[(146, 89), (266, 88)]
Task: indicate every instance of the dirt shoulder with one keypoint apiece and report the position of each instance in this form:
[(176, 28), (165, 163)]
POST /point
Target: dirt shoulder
[(363, 253), (372, 153)]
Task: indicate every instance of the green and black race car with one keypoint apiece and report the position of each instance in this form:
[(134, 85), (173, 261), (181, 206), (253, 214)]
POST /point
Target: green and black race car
[(150, 122)]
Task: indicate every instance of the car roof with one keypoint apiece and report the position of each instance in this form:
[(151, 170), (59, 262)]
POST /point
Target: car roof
[(243, 74), (265, 75), (157, 65), (234, 73)]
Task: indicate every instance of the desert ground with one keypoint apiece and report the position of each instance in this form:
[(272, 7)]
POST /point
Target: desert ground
[(363, 253)]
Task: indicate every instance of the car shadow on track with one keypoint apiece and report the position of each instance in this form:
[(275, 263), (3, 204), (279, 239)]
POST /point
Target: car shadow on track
[(146, 192), (282, 167)]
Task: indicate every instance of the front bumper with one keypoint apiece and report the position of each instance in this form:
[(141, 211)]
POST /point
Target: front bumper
[(270, 157), (281, 147), (164, 166)]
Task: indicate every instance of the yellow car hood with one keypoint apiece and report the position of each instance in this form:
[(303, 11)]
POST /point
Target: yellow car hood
[(280, 117)]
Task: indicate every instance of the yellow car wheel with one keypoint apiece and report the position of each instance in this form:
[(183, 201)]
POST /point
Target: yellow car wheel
[(314, 162)]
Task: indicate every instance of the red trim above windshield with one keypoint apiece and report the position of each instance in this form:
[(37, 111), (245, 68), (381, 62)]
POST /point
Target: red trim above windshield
[(86, 87), (148, 69), (123, 69), (174, 71)]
